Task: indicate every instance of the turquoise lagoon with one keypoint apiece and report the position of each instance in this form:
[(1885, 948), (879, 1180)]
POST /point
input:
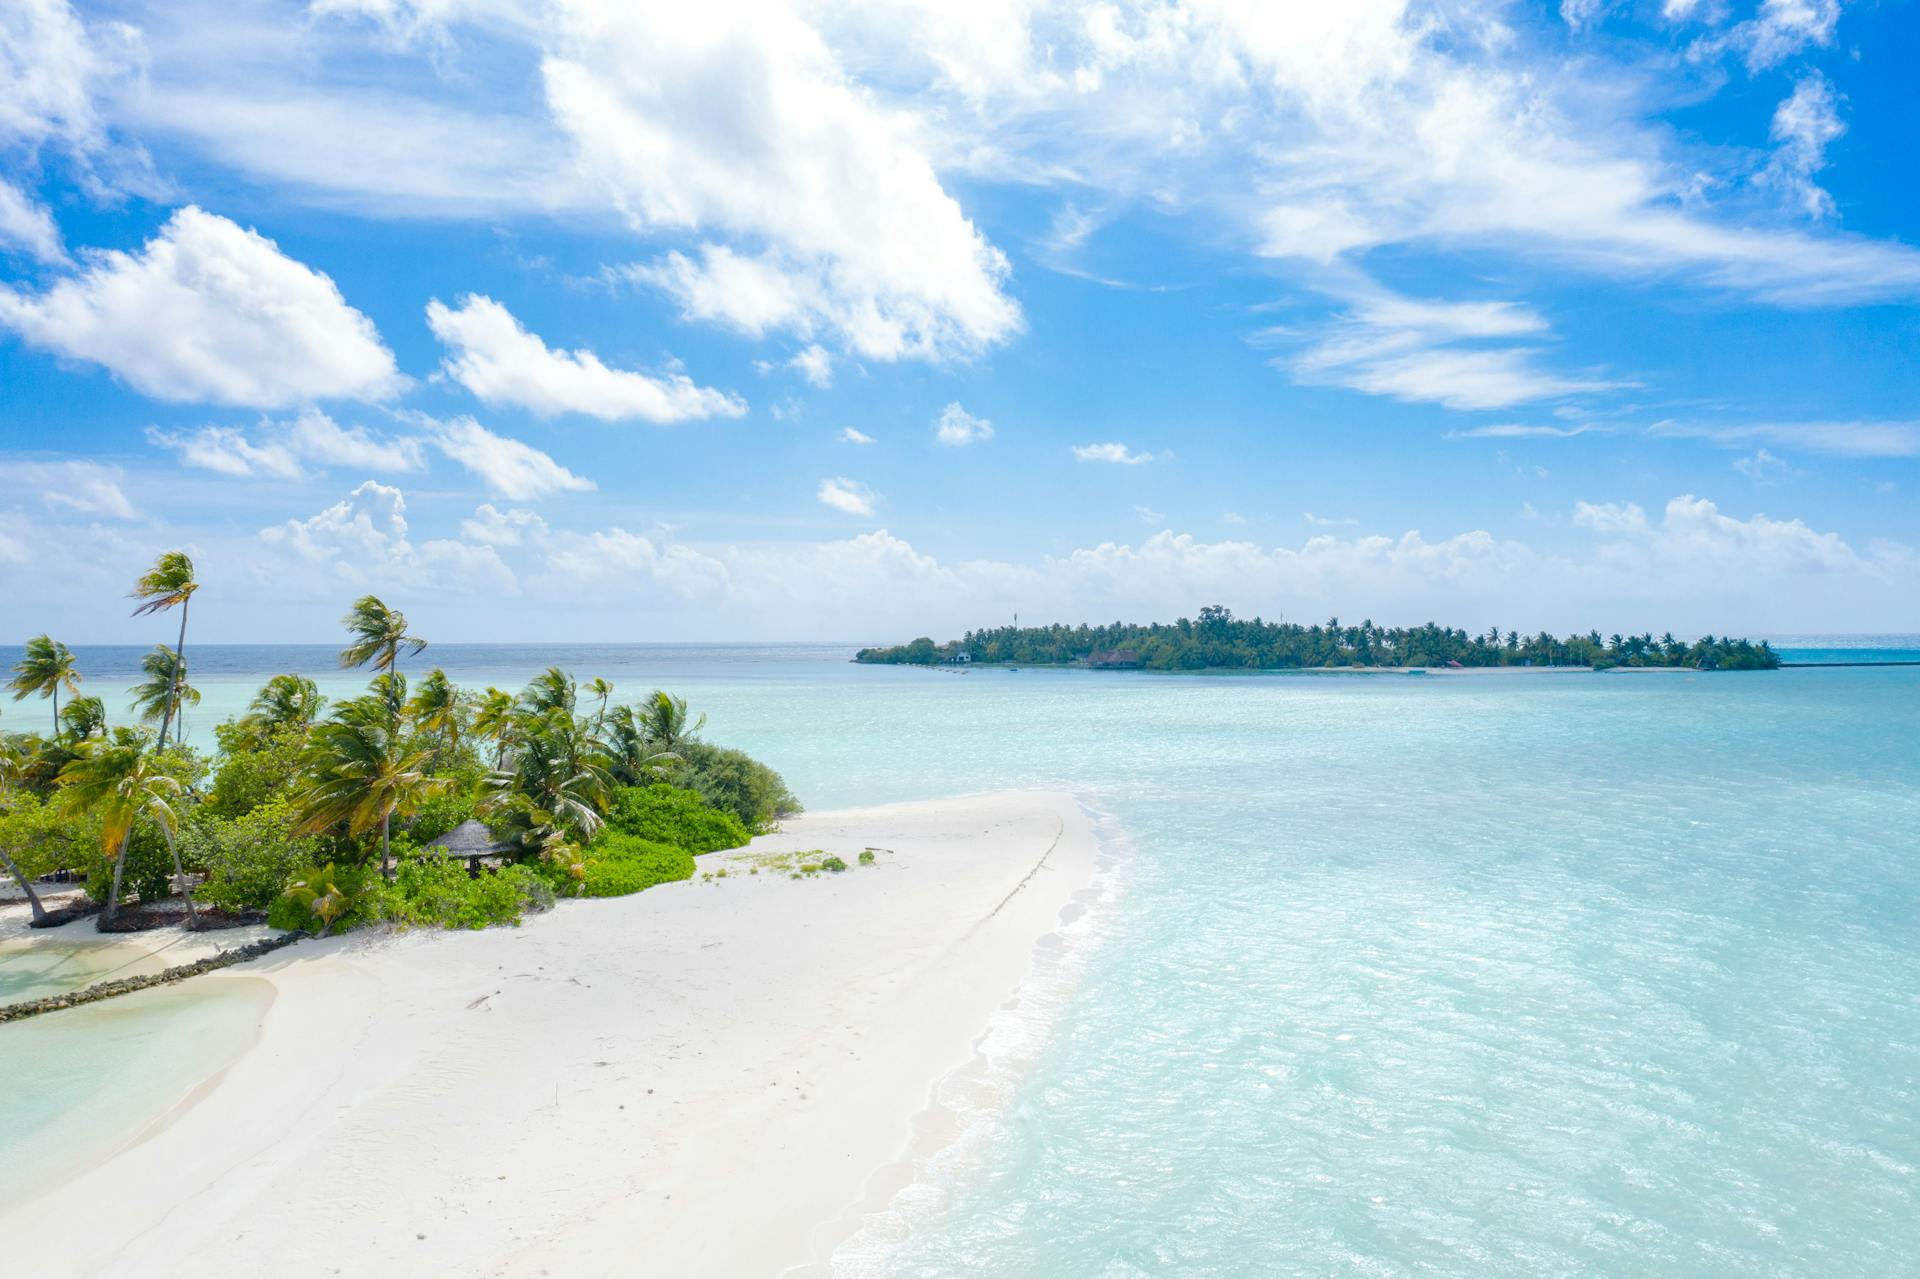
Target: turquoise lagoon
[(1507, 973)]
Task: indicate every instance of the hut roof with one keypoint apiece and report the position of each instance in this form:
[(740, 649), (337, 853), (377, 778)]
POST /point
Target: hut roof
[(470, 838)]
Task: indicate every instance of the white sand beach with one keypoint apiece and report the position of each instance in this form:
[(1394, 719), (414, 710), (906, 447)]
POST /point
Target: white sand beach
[(699, 1080)]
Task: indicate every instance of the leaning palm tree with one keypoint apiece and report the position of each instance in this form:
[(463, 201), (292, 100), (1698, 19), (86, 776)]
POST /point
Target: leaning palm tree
[(632, 758), (359, 774), (664, 718), (12, 772), (497, 720), (601, 690), (438, 708), (170, 581), (46, 667), (379, 633), (120, 784), (164, 693), (284, 700), (551, 690), (559, 769)]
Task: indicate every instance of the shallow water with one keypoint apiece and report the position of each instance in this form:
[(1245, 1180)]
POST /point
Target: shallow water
[(1482, 974)]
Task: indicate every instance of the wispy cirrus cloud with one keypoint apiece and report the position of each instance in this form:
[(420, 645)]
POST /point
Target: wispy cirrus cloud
[(1844, 439)]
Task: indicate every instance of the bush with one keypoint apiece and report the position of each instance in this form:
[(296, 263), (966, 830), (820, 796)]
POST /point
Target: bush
[(435, 891), (618, 864), (249, 859), (149, 868), (252, 772), (321, 899), (442, 813), (737, 783), (674, 815), (833, 864)]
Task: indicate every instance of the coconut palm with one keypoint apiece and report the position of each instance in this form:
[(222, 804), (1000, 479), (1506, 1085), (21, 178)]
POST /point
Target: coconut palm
[(551, 690), (359, 774), (601, 690), (632, 758), (664, 718), (497, 721), (326, 893), (46, 667), (164, 693), (284, 700), (85, 718), (560, 769), (379, 633), (438, 708), (12, 772), (119, 784), (169, 582)]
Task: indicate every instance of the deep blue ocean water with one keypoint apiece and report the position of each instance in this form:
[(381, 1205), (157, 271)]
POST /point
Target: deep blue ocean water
[(1503, 973)]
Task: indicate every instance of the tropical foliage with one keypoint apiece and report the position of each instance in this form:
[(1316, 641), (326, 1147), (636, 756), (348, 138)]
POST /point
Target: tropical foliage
[(323, 814), (1218, 640)]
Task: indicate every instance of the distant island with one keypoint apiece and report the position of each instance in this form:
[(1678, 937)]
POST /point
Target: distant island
[(1220, 641)]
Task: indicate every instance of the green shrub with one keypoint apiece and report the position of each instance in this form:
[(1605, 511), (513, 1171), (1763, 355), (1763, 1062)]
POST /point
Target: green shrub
[(866, 858), (250, 859), (442, 813), (674, 815), (252, 772), (618, 864), (434, 891), (148, 874), (737, 783), (833, 864), (320, 899)]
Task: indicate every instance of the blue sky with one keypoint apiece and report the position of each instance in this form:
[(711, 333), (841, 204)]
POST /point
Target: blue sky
[(563, 320)]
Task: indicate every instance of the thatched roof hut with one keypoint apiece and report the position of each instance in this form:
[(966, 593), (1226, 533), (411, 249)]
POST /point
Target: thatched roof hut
[(470, 841)]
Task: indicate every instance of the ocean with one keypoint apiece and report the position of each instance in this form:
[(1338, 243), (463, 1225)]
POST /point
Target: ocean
[(1490, 973)]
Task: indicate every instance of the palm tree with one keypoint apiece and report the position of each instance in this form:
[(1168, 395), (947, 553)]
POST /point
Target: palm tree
[(560, 769), (12, 771), (164, 691), (85, 718), (120, 784), (284, 700), (665, 719), (168, 582), (437, 708), (325, 895), (496, 720), (602, 690), (632, 758), (46, 667), (359, 774), (551, 690), (379, 633)]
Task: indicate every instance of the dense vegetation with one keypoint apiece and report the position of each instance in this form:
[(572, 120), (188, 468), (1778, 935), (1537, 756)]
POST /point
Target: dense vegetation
[(322, 816), (1219, 640)]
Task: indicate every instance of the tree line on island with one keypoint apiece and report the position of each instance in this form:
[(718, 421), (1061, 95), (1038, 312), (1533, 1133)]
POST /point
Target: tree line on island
[(1218, 640), (321, 817)]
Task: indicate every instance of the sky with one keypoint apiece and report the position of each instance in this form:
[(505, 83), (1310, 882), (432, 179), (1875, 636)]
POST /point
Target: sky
[(581, 320)]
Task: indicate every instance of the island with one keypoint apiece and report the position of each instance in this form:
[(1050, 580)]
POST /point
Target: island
[(1218, 640)]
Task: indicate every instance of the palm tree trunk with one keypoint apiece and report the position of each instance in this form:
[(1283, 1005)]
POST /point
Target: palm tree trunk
[(56, 712), (180, 879), (179, 666), (386, 847), (26, 885), (110, 911)]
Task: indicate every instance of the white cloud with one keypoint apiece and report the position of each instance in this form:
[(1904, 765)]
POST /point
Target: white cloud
[(1803, 126), (283, 450), (510, 527), (815, 365), (500, 362), (1326, 521), (362, 541), (639, 565), (509, 468), (1783, 28), (1522, 431), (1150, 516), (1763, 467), (956, 428), (1118, 454), (1610, 517), (1233, 517), (848, 435), (1846, 439), (26, 224), (208, 311), (84, 487), (694, 121), (851, 496)]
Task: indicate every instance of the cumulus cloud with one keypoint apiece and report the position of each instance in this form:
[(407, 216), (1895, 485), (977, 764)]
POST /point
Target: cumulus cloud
[(851, 496), (510, 469), (363, 541), (501, 363), (693, 121), (87, 488), (814, 364), (1763, 467), (849, 435), (286, 449), (1118, 454), (209, 312), (1610, 517), (510, 527), (956, 428)]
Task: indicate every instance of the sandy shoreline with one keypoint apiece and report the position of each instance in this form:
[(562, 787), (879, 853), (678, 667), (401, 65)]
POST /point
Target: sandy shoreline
[(703, 1079)]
